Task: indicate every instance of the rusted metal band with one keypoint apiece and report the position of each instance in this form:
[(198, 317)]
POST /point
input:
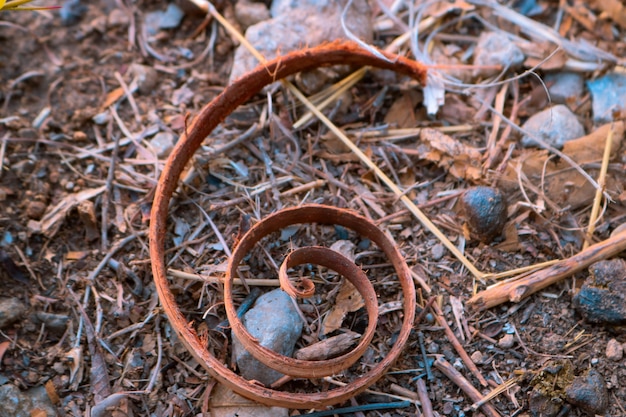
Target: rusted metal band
[(211, 115)]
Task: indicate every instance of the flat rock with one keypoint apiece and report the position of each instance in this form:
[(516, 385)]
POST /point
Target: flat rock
[(11, 310), (602, 298), (496, 49), (555, 125), (608, 97), (276, 324), (296, 24)]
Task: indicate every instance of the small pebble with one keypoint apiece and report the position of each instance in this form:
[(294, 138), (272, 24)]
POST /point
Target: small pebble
[(496, 49), (163, 143), (146, 77), (589, 393), (35, 209), (477, 357), (507, 341), (555, 125), (438, 251), (485, 212), (118, 17), (614, 350), (249, 13)]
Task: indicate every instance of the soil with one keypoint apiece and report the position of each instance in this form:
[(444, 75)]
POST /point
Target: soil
[(68, 135)]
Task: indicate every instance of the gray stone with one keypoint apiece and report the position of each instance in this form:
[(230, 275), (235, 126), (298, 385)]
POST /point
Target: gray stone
[(11, 310), (249, 13), (437, 251), (614, 350), (146, 77), (168, 19), (302, 23), (589, 393), (16, 403), (565, 87), (275, 322), (163, 143), (555, 126), (507, 341), (496, 49), (608, 97)]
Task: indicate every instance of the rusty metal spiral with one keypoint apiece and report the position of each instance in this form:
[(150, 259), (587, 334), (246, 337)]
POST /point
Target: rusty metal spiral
[(211, 115)]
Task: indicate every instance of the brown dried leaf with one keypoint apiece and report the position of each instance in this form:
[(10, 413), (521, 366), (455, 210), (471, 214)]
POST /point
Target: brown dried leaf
[(348, 300), (462, 161), (51, 220), (225, 403), (561, 183), (613, 9)]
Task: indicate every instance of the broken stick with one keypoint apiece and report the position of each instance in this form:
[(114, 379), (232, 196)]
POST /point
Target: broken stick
[(521, 288)]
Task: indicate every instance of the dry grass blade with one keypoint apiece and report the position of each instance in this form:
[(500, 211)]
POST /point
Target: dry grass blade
[(597, 201)]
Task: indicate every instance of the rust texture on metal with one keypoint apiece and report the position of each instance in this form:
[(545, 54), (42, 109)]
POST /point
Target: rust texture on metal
[(210, 116)]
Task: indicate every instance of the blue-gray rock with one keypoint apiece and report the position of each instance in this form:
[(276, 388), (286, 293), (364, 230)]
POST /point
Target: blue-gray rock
[(275, 322), (608, 97), (296, 23), (565, 87), (589, 393), (496, 49), (16, 403), (555, 125), (602, 298), (168, 19), (71, 12)]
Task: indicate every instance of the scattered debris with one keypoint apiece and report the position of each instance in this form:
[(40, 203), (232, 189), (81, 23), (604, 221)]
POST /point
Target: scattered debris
[(555, 125), (485, 212), (275, 322), (602, 298)]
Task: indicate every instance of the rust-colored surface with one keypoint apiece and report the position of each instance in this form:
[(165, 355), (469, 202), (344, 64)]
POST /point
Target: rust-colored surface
[(210, 116)]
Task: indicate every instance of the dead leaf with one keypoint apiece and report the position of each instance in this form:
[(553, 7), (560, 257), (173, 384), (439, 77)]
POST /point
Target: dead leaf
[(562, 184), (51, 220), (112, 97), (613, 9), (225, 403), (462, 161), (401, 113)]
